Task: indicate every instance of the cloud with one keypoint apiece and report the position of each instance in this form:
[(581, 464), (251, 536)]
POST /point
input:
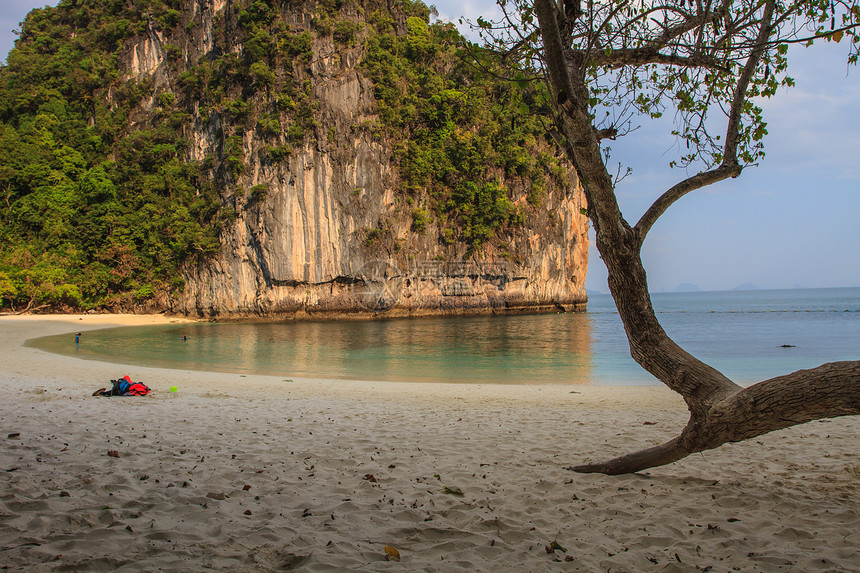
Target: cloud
[(814, 126), (453, 11)]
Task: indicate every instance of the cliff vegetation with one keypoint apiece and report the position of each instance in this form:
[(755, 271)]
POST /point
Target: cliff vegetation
[(104, 199)]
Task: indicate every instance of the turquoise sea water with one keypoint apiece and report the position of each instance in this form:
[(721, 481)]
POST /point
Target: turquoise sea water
[(740, 333)]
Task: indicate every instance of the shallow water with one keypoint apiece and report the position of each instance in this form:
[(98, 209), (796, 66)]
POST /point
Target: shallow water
[(739, 333)]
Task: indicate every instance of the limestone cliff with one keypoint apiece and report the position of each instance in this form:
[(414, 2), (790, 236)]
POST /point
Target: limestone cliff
[(324, 228)]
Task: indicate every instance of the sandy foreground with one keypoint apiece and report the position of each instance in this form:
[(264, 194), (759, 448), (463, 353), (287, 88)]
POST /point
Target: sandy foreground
[(257, 473)]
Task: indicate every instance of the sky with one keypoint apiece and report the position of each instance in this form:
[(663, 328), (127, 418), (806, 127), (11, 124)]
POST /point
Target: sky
[(791, 222)]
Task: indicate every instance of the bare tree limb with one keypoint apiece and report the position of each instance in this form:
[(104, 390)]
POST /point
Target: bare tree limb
[(554, 48), (608, 133), (644, 56), (828, 391), (698, 181), (666, 453), (733, 135), (730, 166)]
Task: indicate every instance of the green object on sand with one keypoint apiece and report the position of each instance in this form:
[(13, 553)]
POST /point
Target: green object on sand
[(174, 389)]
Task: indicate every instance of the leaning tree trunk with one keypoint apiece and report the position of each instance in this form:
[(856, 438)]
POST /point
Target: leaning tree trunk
[(720, 410)]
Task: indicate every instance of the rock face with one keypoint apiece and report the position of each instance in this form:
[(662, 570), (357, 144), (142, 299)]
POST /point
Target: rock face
[(305, 250), (329, 236)]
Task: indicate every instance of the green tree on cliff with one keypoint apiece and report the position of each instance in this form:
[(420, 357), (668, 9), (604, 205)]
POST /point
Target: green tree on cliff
[(102, 202), (94, 211)]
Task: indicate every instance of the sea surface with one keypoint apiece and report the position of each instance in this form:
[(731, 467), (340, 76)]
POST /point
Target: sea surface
[(748, 335)]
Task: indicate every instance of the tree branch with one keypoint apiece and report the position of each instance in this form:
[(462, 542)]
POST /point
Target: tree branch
[(671, 451), (689, 23), (607, 133), (643, 56), (554, 48), (828, 391), (662, 204), (733, 135), (730, 167)]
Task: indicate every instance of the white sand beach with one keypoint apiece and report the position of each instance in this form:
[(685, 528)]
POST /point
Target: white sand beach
[(259, 473)]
